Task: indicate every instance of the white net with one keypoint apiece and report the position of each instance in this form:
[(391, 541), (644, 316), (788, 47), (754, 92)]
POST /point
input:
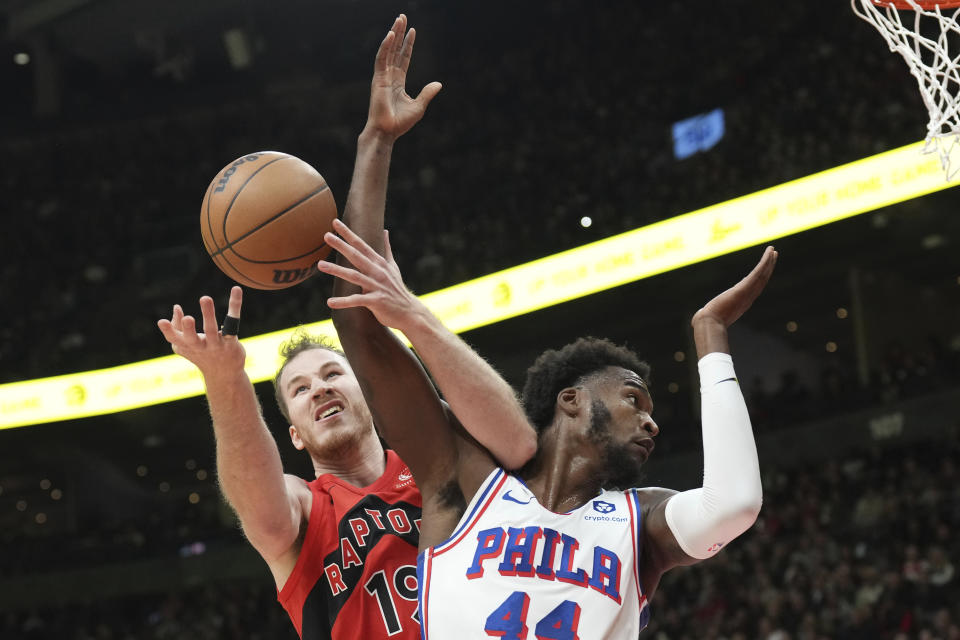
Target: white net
[(925, 41)]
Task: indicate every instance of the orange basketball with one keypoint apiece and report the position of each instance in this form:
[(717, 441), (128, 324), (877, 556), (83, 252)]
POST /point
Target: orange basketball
[(263, 219)]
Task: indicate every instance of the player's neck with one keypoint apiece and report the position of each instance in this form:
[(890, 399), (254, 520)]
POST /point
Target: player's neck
[(360, 465), (565, 474)]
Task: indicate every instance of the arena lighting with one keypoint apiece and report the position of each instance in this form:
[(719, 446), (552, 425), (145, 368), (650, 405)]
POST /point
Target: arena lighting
[(799, 205)]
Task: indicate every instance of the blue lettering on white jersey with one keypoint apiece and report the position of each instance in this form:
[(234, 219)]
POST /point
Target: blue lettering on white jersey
[(513, 566)]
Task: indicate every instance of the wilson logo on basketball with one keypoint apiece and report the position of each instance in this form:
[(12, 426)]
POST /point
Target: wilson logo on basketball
[(232, 169), (283, 276)]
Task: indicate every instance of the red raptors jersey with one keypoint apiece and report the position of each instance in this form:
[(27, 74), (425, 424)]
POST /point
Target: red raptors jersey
[(356, 576)]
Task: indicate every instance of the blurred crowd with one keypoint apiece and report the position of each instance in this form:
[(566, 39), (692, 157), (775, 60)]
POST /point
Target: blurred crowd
[(862, 547), (901, 373), (101, 238), (213, 612)]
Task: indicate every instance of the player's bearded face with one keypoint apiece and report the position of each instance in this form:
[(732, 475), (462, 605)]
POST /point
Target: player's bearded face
[(621, 470)]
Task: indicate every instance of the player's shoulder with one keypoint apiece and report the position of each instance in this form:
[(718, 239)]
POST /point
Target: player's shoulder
[(651, 497), (299, 489), (295, 483)]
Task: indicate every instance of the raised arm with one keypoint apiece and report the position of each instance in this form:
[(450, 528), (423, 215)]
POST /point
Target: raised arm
[(468, 383), (392, 112), (270, 505), (482, 400), (405, 406), (686, 527)]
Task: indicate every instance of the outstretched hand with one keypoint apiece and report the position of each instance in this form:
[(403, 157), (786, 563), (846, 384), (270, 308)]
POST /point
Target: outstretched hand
[(382, 289), (208, 349), (392, 111), (727, 307), (710, 323)]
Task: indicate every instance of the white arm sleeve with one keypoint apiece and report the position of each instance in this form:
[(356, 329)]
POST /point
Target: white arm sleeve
[(704, 520)]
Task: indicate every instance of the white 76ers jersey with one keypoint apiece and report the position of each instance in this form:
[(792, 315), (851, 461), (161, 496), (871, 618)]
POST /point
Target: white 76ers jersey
[(514, 570)]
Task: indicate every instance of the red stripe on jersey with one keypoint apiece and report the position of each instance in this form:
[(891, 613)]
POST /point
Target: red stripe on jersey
[(425, 590), (634, 533)]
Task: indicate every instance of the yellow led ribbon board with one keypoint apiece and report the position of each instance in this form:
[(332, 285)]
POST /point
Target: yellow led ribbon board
[(806, 203)]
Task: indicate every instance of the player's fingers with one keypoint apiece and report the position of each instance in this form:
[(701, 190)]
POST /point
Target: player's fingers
[(177, 319), (427, 94), (760, 267), (350, 275), (399, 29), (349, 253), (189, 331), (235, 302), (166, 328), (355, 242), (349, 302), (208, 312), (387, 251), (768, 255), (753, 284), (764, 269), (406, 50), (383, 53), (771, 256), (352, 238)]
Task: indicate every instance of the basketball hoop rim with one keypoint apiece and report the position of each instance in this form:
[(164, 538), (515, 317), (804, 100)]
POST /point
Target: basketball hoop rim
[(927, 5)]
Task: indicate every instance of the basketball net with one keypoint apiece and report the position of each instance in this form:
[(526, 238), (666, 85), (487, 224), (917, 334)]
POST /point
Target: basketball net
[(930, 62)]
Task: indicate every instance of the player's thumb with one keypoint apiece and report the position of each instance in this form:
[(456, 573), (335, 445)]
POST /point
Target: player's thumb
[(428, 93)]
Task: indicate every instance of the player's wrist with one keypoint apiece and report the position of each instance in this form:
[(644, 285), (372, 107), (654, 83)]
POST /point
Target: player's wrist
[(704, 318), (419, 322), (224, 375), (374, 136), (710, 335)]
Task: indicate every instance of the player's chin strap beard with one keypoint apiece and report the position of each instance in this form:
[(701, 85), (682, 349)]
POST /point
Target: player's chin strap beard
[(231, 326), (618, 469)]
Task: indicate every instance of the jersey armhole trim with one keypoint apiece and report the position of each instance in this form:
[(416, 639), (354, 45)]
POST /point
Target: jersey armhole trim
[(485, 495)]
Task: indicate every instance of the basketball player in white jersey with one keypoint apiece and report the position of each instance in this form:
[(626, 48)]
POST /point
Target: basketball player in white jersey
[(566, 547)]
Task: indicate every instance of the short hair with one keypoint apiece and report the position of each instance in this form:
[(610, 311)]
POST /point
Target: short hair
[(556, 370), (299, 342)]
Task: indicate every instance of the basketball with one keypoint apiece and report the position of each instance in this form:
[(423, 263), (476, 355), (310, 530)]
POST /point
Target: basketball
[(263, 219)]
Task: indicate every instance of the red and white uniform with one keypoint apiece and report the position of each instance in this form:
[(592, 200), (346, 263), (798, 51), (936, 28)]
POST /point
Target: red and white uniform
[(355, 578), (514, 570)]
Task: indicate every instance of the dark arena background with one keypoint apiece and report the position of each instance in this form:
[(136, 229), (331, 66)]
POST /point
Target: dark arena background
[(117, 113)]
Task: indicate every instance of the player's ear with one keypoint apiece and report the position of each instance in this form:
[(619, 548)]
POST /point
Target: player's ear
[(295, 438), (570, 401)]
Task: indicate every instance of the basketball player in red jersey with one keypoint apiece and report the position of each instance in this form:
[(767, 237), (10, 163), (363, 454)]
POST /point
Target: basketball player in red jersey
[(569, 546), (342, 548)]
